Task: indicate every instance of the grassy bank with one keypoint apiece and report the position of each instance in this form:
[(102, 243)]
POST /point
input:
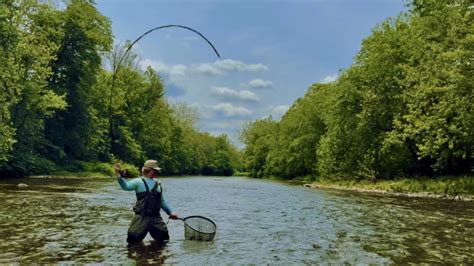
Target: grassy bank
[(444, 186), (238, 173), (100, 170), (92, 169)]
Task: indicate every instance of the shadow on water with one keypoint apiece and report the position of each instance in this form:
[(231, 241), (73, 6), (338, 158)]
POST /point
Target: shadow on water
[(151, 253)]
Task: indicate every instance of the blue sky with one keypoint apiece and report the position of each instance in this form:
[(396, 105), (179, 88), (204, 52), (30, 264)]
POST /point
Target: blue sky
[(271, 51)]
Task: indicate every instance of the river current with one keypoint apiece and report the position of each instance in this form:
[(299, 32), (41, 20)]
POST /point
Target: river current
[(68, 221)]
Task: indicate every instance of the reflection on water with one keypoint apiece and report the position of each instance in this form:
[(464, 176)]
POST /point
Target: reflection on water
[(259, 222), (148, 253)]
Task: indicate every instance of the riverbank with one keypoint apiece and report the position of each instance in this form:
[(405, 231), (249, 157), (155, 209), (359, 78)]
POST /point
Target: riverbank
[(447, 187), (73, 175), (89, 170)]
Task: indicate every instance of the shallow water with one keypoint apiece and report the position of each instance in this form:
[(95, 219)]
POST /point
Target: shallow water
[(259, 222)]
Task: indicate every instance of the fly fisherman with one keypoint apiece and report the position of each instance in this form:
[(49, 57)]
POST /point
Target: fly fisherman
[(150, 200)]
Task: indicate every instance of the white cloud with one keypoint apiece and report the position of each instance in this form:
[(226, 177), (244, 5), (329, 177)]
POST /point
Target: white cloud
[(230, 110), (243, 95), (175, 72), (220, 67), (208, 69), (279, 110), (178, 70), (329, 78), (260, 84)]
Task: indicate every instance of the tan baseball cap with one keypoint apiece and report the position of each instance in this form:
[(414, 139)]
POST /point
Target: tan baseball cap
[(153, 164)]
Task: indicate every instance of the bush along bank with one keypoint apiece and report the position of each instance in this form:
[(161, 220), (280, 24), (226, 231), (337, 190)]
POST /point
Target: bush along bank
[(445, 187)]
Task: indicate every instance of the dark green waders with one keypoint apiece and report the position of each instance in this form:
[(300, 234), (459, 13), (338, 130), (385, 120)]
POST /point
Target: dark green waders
[(147, 217)]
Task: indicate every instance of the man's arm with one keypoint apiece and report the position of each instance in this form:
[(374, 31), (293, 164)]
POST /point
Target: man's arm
[(131, 185), (166, 207)]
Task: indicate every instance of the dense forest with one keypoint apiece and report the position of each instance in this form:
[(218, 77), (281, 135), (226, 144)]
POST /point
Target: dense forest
[(403, 108), (59, 110)]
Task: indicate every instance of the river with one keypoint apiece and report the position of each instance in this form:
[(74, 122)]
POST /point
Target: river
[(70, 221)]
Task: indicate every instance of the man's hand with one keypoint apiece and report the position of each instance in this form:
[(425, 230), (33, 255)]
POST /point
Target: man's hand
[(118, 169), (174, 216)]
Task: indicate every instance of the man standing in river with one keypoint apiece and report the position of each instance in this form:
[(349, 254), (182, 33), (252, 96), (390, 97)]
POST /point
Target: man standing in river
[(150, 200)]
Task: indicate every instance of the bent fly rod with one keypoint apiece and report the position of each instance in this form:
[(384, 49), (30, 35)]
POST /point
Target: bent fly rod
[(115, 69)]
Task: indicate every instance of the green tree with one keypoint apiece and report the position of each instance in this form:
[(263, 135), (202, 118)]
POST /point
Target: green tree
[(85, 37), (223, 156), (300, 131), (27, 51), (9, 78), (437, 120), (259, 137)]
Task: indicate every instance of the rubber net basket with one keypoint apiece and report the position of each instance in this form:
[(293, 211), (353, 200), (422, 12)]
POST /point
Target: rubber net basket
[(199, 228)]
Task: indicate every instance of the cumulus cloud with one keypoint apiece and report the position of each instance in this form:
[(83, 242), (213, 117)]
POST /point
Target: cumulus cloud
[(221, 67), (231, 110), (329, 78), (260, 84), (208, 69), (243, 95), (279, 110)]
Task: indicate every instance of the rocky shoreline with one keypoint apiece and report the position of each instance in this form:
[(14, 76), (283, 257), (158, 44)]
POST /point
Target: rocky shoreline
[(393, 193)]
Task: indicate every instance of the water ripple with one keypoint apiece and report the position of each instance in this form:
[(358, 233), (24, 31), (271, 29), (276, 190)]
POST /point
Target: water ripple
[(259, 222)]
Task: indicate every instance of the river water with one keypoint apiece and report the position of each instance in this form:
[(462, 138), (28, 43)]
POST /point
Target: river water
[(69, 221)]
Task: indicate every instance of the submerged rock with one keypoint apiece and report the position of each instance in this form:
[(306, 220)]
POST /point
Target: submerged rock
[(22, 185)]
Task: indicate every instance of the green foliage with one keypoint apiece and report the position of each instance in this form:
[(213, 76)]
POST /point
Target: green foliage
[(463, 185), (300, 129), (25, 99), (259, 137), (87, 169), (83, 36), (106, 168), (438, 117), (28, 164), (9, 79)]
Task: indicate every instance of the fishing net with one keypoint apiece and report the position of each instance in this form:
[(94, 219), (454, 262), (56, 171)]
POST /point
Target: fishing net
[(199, 228)]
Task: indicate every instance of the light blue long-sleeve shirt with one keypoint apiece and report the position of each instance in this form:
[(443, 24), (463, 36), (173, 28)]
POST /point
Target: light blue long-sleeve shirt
[(138, 185)]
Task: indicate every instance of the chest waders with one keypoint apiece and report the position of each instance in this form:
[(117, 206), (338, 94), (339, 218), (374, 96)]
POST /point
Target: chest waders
[(147, 216), (148, 202)]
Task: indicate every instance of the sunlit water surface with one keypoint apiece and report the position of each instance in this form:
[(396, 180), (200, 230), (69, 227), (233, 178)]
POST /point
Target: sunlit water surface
[(259, 222)]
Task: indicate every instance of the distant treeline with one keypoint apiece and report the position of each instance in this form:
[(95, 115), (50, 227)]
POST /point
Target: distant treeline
[(404, 108), (57, 107)]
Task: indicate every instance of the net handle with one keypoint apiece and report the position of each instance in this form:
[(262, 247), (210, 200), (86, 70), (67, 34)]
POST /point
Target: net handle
[(194, 216)]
